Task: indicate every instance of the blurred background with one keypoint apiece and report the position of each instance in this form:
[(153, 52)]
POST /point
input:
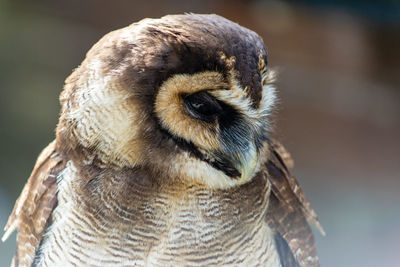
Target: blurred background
[(339, 110)]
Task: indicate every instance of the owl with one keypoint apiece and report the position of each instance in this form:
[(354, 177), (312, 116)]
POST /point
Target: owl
[(163, 156)]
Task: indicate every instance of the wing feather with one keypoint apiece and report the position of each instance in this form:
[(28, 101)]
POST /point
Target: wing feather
[(289, 212), (33, 208)]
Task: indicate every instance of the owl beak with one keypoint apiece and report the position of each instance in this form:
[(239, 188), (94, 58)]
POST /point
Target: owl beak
[(247, 163)]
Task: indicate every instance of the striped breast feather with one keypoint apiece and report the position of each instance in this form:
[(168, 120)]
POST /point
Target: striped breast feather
[(289, 212), (32, 211)]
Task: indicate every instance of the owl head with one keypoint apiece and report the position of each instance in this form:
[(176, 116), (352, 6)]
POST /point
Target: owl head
[(186, 97)]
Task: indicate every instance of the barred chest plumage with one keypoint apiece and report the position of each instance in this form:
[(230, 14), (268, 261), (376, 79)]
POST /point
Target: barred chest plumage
[(120, 222)]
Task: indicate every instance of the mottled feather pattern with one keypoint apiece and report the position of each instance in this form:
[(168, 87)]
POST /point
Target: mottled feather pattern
[(32, 211), (284, 217), (133, 179), (289, 210), (158, 226), (285, 160)]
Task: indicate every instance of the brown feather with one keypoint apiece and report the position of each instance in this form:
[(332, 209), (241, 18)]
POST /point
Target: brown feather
[(120, 78), (32, 210), (288, 213), (286, 161)]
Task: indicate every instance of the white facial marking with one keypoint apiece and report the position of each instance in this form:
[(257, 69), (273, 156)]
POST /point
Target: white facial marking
[(103, 116)]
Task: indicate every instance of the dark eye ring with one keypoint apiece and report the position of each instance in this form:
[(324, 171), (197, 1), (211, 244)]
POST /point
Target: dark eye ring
[(202, 106)]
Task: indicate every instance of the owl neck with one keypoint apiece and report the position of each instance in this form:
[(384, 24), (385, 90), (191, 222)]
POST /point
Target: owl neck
[(130, 190)]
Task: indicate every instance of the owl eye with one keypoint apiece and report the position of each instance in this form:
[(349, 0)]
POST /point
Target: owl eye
[(202, 106)]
